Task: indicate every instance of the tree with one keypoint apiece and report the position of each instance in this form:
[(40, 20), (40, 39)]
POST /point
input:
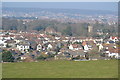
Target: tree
[(0, 57), (7, 56), (68, 31), (87, 56)]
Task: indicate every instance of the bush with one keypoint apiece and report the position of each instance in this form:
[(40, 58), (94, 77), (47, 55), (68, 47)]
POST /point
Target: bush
[(41, 57)]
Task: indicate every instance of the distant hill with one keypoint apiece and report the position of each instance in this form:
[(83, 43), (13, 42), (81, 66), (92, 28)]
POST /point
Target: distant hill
[(70, 11)]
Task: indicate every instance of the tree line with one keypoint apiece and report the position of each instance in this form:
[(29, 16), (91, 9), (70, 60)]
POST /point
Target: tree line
[(68, 28)]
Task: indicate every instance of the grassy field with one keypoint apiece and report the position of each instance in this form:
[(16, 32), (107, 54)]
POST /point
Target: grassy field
[(62, 69), (0, 71)]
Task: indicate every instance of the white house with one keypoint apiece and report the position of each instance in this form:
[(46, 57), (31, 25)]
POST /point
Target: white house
[(86, 48), (39, 47), (2, 43), (116, 55), (74, 47), (23, 47), (112, 53), (71, 47), (49, 46), (23, 57), (7, 37), (100, 47), (57, 38)]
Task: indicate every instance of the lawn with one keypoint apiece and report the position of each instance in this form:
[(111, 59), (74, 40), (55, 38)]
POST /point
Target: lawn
[(62, 69)]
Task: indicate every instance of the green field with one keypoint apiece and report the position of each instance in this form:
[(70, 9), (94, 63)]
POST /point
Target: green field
[(0, 71), (62, 69)]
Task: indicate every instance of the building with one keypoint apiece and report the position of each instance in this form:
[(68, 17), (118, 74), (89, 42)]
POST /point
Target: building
[(90, 29), (23, 47)]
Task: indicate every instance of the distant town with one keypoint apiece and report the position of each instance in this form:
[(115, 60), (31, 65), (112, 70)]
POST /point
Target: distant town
[(47, 35), (62, 15)]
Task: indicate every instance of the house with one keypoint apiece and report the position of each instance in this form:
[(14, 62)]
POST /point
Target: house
[(11, 43), (45, 41), (112, 51), (52, 46), (114, 38), (68, 54), (79, 53), (99, 40), (57, 38), (23, 47), (49, 46), (85, 46), (100, 47), (62, 56), (2, 43), (26, 58), (71, 47), (115, 55), (75, 47), (39, 47)]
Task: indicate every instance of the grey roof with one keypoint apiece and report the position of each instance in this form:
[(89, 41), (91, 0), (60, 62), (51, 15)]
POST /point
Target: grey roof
[(79, 52)]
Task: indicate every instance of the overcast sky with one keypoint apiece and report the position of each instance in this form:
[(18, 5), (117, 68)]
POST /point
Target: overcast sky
[(113, 6), (60, 0)]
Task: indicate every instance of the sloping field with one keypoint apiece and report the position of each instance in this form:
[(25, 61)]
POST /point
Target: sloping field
[(62, 69)]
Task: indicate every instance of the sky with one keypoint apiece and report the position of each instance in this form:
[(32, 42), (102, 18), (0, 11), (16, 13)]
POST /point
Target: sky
[(112, 6), (60, 0)]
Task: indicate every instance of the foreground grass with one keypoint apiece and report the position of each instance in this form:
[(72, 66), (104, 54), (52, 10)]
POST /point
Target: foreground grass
[(0, 71), (62, 69)]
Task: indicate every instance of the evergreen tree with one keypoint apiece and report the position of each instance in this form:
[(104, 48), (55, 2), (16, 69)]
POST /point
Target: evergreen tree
[(7, 56)]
